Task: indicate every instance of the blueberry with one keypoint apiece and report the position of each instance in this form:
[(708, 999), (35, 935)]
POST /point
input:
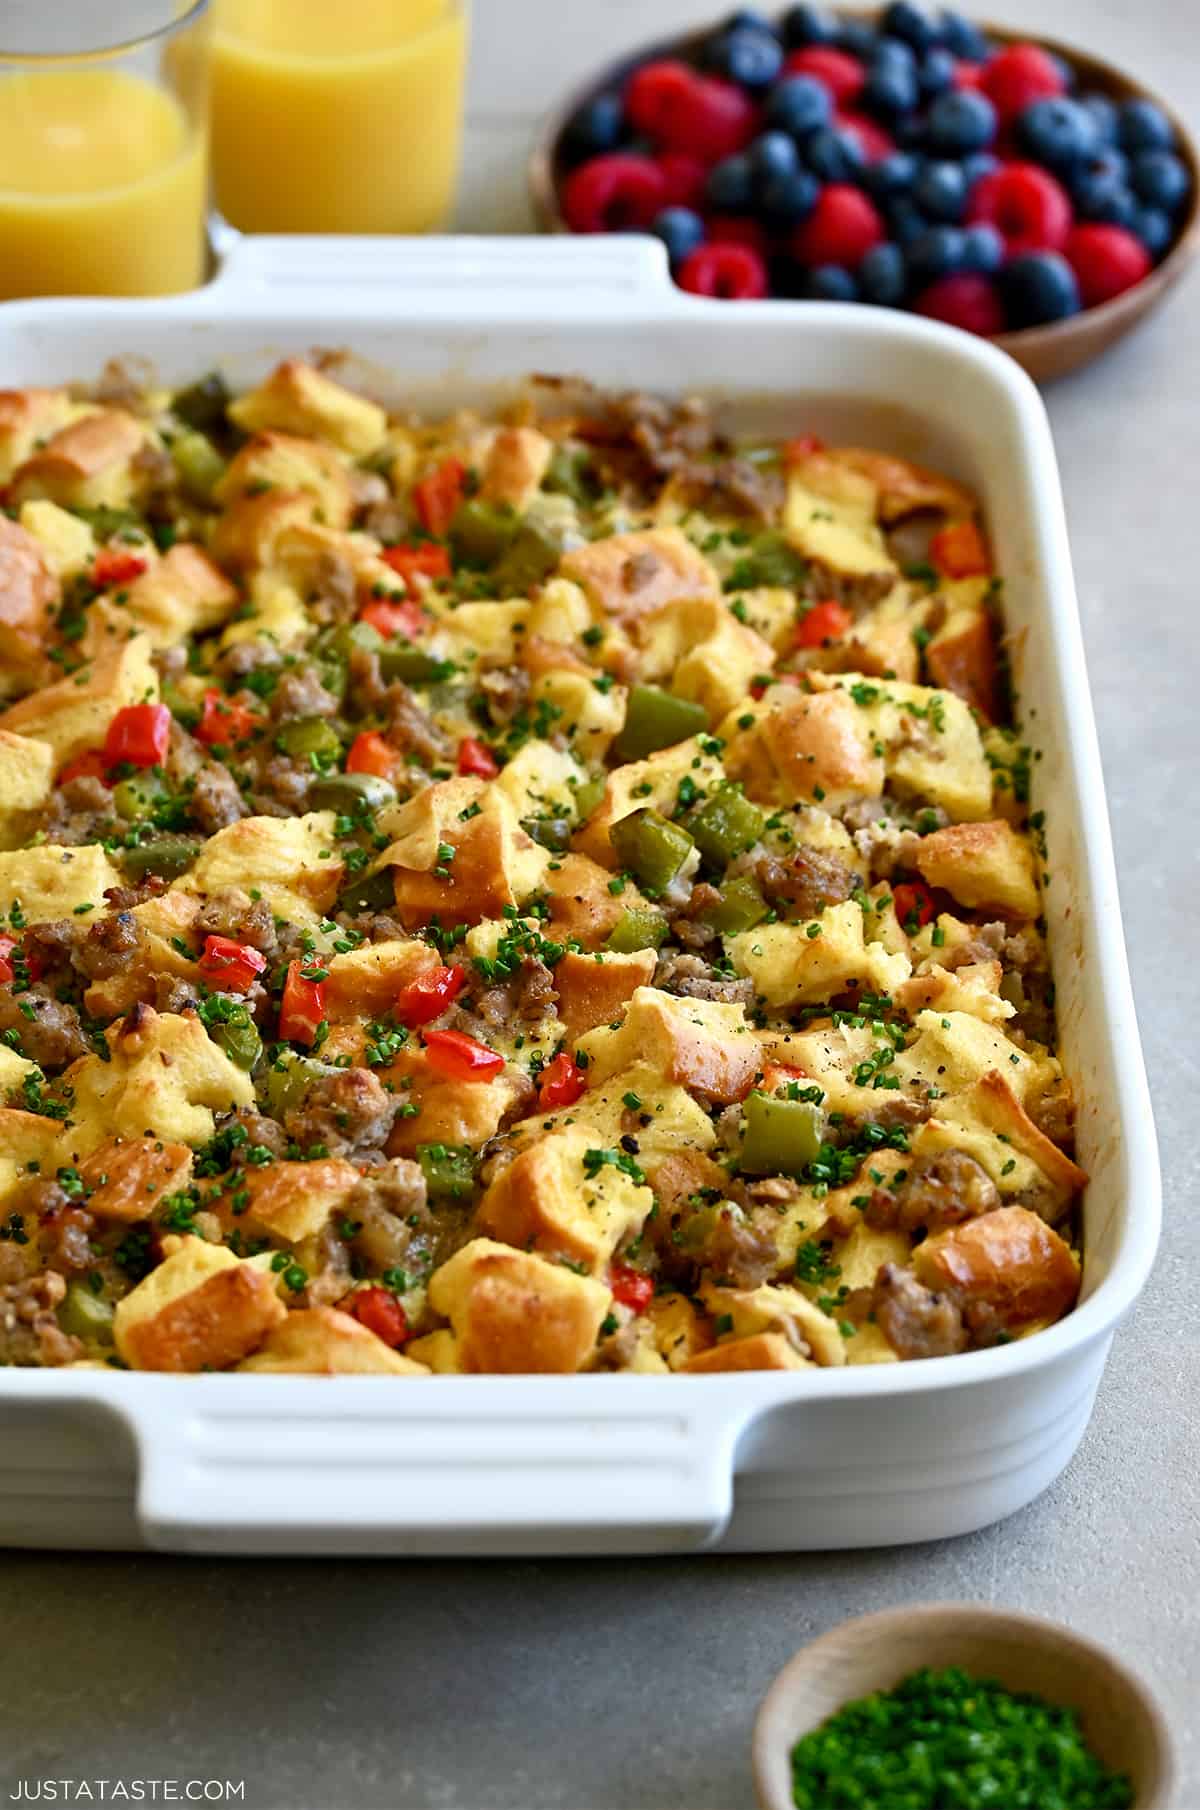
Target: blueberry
[(959, 123), (1141, 126), (892, 175), (1153, 228), (1160, 179), (858, 38), (883, 276), (1118, 206), (789, 198), (977, 165), (983, 249), (799, 105), (1104, 116), (748, 18), (596, 128), (1038, 286), (938, 252), (680, 230), (893, 53), (747, 56), (804, 25), (1094, 183), (772, 154), (935, 73), (941, 191), (730, 186), (1057, 132), (906, 223), (904, 20), (964, 38), (909, 133), (834, 155), (890, 90), (830, 283)]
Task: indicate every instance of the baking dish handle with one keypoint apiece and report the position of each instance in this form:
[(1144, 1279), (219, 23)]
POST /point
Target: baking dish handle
[(461, 1470), (486, 271)]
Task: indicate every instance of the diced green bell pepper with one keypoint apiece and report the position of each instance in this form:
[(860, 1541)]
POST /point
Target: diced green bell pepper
[(199, 466), (588, 796), (655, 719), (168, 856), (238, 1036), (482, 532), (553, 833), (779, 1137), (309, 735), (283, 1085), (636, 930), (138, 796), (86, 1315), (740, 907), (349, 793), (569, 473), (401, 660), (770, 559), (202, 405), (349, 637), (725, 825), (651, 847), (534, 553), (449, 1170), (373, 892)]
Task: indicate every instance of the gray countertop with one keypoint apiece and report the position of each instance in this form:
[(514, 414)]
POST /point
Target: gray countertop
[(611, 1685)]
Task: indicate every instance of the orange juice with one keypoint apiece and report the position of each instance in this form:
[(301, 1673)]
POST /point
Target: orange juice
[(102, 186), (337, 116)]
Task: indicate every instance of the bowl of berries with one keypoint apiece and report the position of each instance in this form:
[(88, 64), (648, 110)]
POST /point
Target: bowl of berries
[(1029, 192)]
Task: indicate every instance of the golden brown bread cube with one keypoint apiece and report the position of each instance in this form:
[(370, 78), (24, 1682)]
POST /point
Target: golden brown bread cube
[(761, 1351), (547, 1200), (181, 594), (451, 1112), (581, 904), (29, 592), (595, 991), (961, 657), (289, 1201), (201, 1309), (298, 399), (804, 746), (73, 714), (704, 1045), (286, 463), (492, 862), (984, 866), (515, 1313), (90, 464), (27, 416), (1010, 1260), (515, 467), (129, 1178), (249, 532), (322, 1341), (903, 487), (629, 575)]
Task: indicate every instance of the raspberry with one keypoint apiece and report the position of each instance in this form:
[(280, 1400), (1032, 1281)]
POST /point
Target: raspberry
[(874, 142), (968, 75), (1018, 75), (965, 301), (732, 273), (609, 194), (652, 88), (738, 229), (841, 229), (842, 74), (684, 177), (1106, 260), (710, 120), (1025, 204)]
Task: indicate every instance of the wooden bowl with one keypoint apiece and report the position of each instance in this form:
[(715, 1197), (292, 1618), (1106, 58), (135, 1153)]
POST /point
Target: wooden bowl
[(1120, 1719), (1045, 352)]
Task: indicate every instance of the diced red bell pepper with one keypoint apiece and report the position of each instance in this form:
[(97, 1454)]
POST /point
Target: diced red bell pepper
[(371, 752), (7, 945), (138, 736), (379, 1311), (957, 550), (117, 565), (427, 997), (438, 494), (88, 765), (781, 1074), (632, 1288), (915, 904), (224, 721), (231, 967), (802, 447), (824, 622), (461, 1058), (390, 618), (562, 1083), (476, 759), (422, 559), (302, 1009)]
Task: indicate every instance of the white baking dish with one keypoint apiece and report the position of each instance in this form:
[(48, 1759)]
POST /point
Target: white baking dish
[(613, 1463)]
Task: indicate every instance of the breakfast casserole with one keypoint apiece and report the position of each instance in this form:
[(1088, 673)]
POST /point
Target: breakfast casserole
[(546, 891)]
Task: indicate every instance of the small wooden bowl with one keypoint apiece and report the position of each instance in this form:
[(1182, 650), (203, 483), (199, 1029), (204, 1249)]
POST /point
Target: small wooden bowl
[(1120, 1719), (1045, 352)]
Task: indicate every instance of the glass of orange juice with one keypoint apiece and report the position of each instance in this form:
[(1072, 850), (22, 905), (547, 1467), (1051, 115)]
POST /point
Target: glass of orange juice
[(337, 116), (103, 147)]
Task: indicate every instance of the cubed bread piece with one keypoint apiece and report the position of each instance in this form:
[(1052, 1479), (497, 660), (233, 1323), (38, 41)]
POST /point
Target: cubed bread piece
[(164, 930), (29, 591), (298, 399), (513, 1312), (182, 594), (74, 713), (761, 1351), (550, 1198), (27, 416), (541, 781), (1009, 1260), (67, 542), (54, 882), (248, 533), (961, 656), (164, 1076), (13, 1071), (651, 784), (665, 1120), (928, 740), (988, 1121), (701, 1044), (595, 989), (629, 575), (91, 464), (680, 1332), (882, 643), (365, 982), (492, 862), (273, 613), (322, 1341), (587, 716), (129, 1178), (292, 861), (838, 532), (774, 1307), (803, 964), (450, 1111), (26, 781), (902, 487), (701, 651), (201, 1309), (28, 1142), (515, 467), (581, 906), (288, 464), (801, 745), (985, 866), (559, 614), (289, 1201), (953, 1049), (973, 988)]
